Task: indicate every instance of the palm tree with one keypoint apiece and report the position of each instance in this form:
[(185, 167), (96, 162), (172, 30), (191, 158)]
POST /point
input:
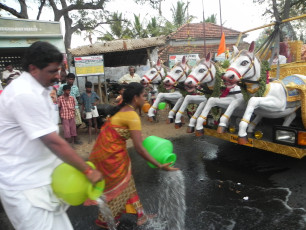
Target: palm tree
[(138, 28), (119, 28), (212, 18), (179, 13)]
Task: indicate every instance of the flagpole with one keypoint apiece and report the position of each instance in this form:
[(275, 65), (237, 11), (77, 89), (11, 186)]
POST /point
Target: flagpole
[(204, 32), (220, 17)]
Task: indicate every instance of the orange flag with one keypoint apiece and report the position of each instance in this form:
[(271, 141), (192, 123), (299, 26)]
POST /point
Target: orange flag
[(222, 46)]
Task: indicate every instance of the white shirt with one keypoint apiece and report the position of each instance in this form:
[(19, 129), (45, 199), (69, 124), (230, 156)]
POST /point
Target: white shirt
[(128, 78), (26, 114), (6, 74)]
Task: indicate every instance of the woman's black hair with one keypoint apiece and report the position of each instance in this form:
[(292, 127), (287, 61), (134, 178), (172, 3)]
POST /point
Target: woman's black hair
[(131, 90), (41, 54)]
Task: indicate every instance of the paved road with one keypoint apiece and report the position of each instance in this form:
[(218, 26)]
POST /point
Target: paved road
[(227, 187)]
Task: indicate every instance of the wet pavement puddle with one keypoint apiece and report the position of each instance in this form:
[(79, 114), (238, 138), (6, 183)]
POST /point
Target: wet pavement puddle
[(221, 186)]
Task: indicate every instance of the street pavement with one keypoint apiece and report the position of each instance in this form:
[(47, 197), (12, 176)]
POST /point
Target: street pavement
[(227, 186)]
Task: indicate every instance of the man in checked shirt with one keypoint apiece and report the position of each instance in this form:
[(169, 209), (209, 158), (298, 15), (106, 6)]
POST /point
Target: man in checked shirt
[(66, 104)]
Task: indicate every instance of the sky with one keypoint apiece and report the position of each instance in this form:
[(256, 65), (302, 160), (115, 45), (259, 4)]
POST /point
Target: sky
[(239, 15)]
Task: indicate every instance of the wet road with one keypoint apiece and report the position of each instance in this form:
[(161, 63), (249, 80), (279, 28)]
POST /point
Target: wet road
[(227, 187)]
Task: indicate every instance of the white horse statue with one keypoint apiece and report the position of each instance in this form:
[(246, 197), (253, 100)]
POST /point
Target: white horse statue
[(271, 100), (153, 77), (177, 74), (202, 74), (232, 101)]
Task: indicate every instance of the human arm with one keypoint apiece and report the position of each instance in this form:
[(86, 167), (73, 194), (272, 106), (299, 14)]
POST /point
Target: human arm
[(137, 142), (122, 80), (60, 90), (36, 124), (63, 150)]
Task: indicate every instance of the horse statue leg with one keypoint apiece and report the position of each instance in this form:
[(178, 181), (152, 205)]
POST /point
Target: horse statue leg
[(193, 119), (212, 102), (152, 110), (271, 102), (254, 123), (197, 99), (174, 110), (224, 119), (180, 112)]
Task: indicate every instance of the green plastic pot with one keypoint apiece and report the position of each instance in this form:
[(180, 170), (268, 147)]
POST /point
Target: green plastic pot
[(160, 149), (72, 186), (162, 105)]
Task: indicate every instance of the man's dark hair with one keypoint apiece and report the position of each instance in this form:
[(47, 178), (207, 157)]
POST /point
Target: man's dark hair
[(70, 76), (41, 54), (88, 84), (65, 87), (6, 64), (132, 67)]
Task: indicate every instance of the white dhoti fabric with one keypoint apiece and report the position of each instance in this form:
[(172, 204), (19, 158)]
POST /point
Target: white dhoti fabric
[(35, 209)]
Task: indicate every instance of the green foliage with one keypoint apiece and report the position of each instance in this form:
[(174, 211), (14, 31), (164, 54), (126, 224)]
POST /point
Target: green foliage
[(262, 82), (138, 29), (225, 64), (179, 14), (119, 28), (212, 18)]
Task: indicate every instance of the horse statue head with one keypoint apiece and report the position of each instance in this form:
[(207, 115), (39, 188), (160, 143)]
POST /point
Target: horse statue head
[(203, 72), (154, 75), (244, 67), (177, 74)]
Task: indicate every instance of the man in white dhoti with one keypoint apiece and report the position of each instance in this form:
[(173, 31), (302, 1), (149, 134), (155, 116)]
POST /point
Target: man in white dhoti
[(30, 147)]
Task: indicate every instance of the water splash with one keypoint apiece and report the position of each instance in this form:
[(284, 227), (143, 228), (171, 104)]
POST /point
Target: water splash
[(106, 213), (171, 203)]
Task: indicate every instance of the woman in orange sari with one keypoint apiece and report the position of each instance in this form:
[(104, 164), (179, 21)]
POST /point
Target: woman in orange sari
[(110, 156)]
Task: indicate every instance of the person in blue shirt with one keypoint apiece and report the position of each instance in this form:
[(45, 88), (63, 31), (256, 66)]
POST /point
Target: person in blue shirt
[(89, 100)]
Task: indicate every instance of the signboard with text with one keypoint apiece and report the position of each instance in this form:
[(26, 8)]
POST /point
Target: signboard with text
[(192, 59), (22, 27), (89, 65)]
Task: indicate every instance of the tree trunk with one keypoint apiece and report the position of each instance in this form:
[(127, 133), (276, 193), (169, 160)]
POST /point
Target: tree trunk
[(42, 4), (285, 15), (23, 9)]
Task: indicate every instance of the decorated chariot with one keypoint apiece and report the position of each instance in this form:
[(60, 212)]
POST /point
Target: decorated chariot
[(270, 113)]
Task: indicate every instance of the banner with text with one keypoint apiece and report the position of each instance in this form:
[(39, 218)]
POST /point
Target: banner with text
[(192, 59), (89, 65)]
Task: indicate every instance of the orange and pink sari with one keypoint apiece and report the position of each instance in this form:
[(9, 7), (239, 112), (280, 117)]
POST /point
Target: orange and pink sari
[(110, 156)]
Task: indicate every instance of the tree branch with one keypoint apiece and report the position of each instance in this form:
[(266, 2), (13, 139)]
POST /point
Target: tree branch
[(42, 3), (11, 11), (57, 15), (86, 6)]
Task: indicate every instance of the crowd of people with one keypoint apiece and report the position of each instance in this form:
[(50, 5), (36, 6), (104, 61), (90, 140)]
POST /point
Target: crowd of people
[(31, 148)]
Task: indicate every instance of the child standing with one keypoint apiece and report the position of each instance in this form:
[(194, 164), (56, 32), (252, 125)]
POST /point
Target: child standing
[(119, 99), (66, 104), (89, 101)]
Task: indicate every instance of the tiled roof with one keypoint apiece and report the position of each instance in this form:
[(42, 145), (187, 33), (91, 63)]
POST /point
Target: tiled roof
[(195, 31), (118, 45), (198, 49)]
